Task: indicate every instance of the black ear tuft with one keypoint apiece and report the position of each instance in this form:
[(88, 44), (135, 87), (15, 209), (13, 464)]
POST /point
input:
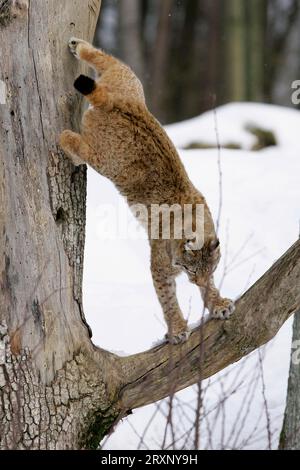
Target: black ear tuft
[(85, 85)]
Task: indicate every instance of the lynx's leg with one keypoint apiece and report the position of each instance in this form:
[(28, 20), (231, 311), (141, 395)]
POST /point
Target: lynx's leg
[(164, 283), (76, 148), (218, 307), (96, 58), (166, 292)]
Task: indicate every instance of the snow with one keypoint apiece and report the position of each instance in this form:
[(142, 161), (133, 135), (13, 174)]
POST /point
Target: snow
[(233, 119), (259, 221)]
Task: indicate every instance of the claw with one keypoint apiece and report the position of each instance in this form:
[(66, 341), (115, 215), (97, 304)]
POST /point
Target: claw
[(223, 312), (179, 338), (73, 44)]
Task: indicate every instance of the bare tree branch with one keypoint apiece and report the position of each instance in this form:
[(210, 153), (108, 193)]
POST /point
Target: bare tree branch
[(259, 315)]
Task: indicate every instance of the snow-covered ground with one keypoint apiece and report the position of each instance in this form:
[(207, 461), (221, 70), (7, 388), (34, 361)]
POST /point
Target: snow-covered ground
[(259, 221)]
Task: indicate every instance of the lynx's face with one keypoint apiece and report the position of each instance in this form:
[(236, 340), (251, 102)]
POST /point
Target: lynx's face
[(199, 265)]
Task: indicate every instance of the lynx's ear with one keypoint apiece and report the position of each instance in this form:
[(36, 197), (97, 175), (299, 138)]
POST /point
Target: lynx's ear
[(213, 245), (85, 85)]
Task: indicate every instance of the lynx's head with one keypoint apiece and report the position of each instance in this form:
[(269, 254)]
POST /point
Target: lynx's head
[(199, 264)]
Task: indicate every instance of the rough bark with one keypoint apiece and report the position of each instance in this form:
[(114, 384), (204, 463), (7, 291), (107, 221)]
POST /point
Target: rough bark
[(290, 433), (57, 390), (42, 215)]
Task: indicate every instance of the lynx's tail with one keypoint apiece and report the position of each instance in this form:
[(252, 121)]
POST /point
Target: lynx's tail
[(95, 93), (85, 85)]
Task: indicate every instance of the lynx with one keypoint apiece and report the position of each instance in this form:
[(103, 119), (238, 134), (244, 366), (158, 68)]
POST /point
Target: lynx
[(122, 140)]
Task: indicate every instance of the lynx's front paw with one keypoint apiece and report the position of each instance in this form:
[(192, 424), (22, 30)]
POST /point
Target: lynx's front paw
[(223, 309), (179, 338), (74, 46)]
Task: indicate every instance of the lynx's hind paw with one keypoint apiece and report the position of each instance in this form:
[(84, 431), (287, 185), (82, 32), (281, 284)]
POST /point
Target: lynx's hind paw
[(224, 310)]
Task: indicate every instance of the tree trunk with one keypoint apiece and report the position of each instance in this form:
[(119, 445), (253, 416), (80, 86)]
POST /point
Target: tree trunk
[(284, 62), (290, 433), (255, 29), (58, 390), (130, 38), (282, 18), (160, 57), (41, 226), (236, 56)]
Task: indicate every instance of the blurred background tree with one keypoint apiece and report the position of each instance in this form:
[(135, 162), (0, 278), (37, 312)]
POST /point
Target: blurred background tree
[(194, 54)]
